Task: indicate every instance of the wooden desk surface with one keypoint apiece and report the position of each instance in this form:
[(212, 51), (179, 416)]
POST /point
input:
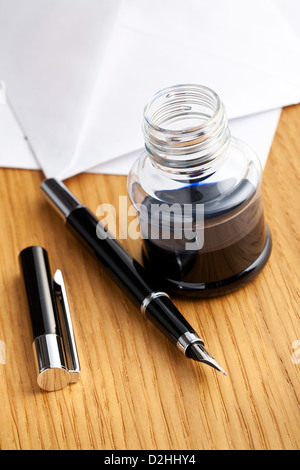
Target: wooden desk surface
[(137, 391)]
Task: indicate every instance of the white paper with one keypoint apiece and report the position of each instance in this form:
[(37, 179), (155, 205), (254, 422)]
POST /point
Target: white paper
[(50, 57), (79, 84), (13, 146), (290, 9)]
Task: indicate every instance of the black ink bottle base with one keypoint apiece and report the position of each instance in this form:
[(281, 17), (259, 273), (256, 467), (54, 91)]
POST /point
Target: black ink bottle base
[(166, 267), (191, 161)]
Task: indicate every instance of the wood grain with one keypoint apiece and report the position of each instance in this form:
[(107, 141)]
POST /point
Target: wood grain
[(137, 391)]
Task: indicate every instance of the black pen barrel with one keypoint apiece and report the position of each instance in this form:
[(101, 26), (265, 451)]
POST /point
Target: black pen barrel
[(162, 312), (127, 272), (39, 289)]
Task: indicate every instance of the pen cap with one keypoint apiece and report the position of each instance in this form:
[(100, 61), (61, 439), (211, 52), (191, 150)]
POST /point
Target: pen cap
[(53, 338)]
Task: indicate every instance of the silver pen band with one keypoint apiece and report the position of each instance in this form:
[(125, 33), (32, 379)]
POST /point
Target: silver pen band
[(188, 338), (149, 298)]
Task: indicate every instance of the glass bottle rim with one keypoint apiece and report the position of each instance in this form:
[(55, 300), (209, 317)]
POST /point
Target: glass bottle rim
[(192, 147), (184, 87)]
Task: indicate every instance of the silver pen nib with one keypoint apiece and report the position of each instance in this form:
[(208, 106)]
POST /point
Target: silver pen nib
[(197, 352)]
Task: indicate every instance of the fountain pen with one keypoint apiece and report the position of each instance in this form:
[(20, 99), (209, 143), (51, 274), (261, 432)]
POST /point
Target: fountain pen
[(131, 276)]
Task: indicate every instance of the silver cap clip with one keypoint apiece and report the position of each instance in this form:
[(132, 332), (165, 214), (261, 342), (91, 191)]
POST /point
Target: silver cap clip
[(67, 330)]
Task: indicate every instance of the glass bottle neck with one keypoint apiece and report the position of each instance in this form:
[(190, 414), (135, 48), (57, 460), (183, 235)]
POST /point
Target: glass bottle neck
[(186, 131)]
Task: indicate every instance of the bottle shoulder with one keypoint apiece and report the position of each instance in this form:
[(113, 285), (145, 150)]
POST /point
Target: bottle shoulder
[(236, 179)]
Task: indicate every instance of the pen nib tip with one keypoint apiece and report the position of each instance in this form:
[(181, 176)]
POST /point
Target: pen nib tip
[(197, 352)]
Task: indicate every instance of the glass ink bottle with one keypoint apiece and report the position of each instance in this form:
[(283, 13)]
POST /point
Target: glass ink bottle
[(196, 190)]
